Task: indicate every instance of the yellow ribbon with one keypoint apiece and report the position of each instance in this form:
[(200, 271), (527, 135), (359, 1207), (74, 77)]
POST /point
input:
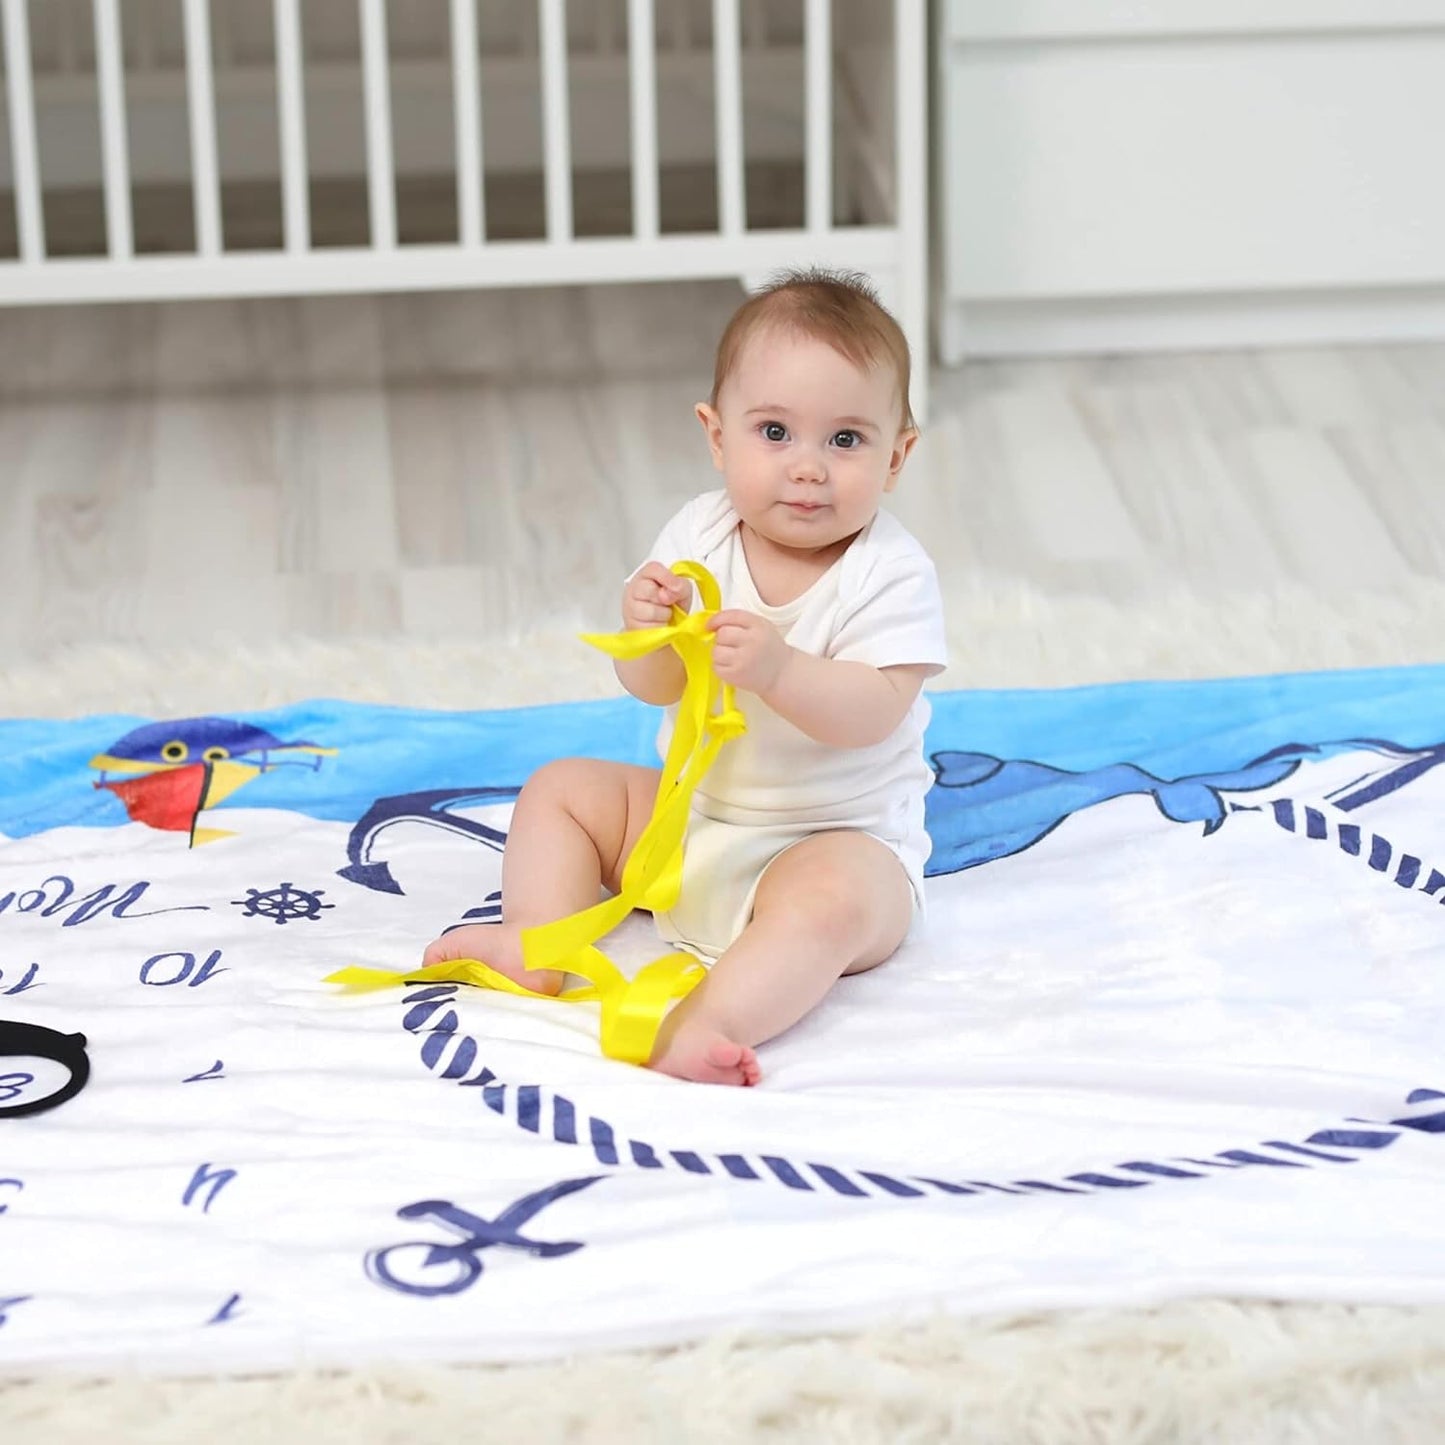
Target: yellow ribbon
[(632, 1009)]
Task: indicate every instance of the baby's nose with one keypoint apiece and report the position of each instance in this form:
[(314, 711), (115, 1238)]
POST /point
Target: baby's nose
[(809, 466)]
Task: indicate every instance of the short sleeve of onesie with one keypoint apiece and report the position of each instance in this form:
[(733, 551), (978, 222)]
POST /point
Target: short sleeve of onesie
[(892, 613)]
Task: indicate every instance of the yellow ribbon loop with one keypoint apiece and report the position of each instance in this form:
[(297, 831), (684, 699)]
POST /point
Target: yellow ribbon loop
[(632, 1009)]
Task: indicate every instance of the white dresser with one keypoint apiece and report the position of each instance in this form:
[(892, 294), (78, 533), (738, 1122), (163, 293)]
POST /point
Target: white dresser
[(1112, 175)]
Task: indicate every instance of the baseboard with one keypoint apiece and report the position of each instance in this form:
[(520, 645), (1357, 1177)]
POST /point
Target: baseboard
[(1057, 326)]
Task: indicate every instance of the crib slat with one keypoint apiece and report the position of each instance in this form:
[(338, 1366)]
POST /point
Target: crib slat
[(295, 200), (200, 91), (471, 207), (471, 213), (380, 171), (29, 215), (110, 73), (818, 63), (910, 215), (642, 80), (728, 100), (556, 121)]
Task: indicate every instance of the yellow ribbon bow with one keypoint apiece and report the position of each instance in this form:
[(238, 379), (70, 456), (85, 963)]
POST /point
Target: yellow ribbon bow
[(632, 1009)]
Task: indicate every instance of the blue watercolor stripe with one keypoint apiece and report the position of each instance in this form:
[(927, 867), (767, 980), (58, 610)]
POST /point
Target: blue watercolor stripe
[(462, 1060), (529, 1107), (432, 1048), (1315, 825), (1350, 838), (1351, 1138), (1436, 883), (604, 1144), (1284, 813), (785, 1173), (1379, 853), (690, 1161), (837, 1181), (416, 1017), (890, 1185), (494, 1096), (945, 1186), (440, 990), (1045, 1187), (1429, 1124), (1164, 1171), (1408, 873), (564, 1120), (738, 1167), (644, 1155), (1248, 1156), (1311, 1153), (1107, 1181)]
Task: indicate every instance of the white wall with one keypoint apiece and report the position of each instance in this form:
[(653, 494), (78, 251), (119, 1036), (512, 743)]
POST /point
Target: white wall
[(1186, 172)]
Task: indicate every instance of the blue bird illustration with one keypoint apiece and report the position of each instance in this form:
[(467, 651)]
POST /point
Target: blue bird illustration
[(173, 771)]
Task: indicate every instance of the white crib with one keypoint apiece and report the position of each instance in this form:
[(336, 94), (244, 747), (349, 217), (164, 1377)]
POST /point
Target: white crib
[(131, 101)]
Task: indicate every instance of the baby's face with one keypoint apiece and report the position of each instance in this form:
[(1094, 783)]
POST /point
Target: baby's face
[(806, 441)]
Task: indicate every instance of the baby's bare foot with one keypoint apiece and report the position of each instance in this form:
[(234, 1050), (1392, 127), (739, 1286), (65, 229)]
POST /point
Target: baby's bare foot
[(499, 946), (695, 1050)]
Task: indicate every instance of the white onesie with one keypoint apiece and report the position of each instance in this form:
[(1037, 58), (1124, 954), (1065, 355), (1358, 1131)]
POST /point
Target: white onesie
[(879, 603)]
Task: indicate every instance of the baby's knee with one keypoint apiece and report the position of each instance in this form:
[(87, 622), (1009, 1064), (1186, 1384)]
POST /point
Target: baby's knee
[(563, 780), (828, 907)]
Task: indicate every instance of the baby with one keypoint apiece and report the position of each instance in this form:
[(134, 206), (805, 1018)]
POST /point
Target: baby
[(805, 847)]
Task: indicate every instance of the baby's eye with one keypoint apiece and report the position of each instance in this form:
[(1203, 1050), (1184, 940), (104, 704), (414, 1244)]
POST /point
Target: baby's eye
[(775, 431), (847, 440)]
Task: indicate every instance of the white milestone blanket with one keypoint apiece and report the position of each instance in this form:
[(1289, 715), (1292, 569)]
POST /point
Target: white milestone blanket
[(1176, 1027)]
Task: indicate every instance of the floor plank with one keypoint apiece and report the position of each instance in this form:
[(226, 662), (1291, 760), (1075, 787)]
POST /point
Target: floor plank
[(487, 465)]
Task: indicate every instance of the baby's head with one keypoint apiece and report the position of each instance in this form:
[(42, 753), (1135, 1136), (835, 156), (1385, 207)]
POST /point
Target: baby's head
[(809, 419), (839, 308)]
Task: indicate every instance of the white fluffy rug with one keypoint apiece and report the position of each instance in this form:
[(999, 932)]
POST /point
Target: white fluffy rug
[(1204, 1370)]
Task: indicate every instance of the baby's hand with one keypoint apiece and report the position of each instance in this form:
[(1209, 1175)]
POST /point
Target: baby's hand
[(649, 597), (747, 651)]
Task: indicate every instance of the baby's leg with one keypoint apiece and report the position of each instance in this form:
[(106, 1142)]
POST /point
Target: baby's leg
[(838, 902), (573, 828)]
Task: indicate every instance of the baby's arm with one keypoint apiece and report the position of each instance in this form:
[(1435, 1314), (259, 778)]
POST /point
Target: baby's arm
[(647, 601), (844, 704), (839, 703)]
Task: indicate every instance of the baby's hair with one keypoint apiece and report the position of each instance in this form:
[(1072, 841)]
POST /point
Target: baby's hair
[(840, 308)]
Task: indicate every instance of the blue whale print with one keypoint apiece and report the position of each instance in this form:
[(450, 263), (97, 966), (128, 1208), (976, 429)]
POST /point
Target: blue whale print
[(981, 807)]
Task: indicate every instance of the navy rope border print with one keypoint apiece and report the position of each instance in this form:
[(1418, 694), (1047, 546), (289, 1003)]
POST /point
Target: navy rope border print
[(455, 1057), (1307, 821), (549, 1115)]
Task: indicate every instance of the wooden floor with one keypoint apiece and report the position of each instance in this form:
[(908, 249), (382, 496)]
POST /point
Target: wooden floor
[(492, 465)]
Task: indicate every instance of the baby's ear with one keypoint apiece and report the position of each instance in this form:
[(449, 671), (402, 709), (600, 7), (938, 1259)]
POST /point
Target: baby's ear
[(903, 444), (712, 429)]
